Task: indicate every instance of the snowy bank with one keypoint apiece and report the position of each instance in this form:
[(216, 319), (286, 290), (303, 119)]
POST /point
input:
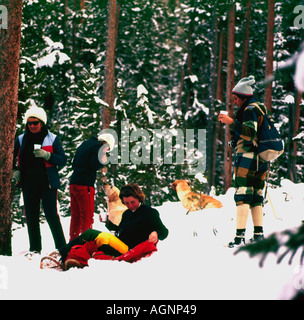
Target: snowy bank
[(191, 264)]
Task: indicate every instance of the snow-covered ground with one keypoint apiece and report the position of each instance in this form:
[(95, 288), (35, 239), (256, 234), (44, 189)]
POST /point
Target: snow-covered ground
[(191, 264)]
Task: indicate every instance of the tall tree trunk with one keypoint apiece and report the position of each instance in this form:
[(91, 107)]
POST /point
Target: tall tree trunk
[(64, 26), (74, 39), (211, 130), (269, 53), (109, 83), (189, 68), (78, 5), (229, 87), (219, 87), (246, 40), (296, 130), (294, 120), (186, 69), (108, 93), (9, 80), (181, 86)]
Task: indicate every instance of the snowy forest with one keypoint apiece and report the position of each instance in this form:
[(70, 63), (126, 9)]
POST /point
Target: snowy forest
[(158, 65)]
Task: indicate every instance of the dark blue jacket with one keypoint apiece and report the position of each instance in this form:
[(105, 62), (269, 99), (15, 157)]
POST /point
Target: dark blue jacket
[(86, 163)]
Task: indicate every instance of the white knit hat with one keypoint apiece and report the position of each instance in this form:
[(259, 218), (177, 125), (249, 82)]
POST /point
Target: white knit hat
[(35, 112), (108, 137), (243, 87)]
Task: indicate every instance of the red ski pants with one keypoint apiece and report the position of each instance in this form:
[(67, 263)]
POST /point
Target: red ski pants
[(82, 209)]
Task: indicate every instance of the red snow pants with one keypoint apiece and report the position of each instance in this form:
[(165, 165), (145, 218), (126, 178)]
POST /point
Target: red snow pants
[(82, 253), (82, 209)]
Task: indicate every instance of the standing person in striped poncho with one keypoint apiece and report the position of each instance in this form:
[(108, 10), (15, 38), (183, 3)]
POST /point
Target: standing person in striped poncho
[(249, 169)]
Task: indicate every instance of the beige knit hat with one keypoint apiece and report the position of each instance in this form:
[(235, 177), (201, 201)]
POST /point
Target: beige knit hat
[(35, 112), (243, 87)]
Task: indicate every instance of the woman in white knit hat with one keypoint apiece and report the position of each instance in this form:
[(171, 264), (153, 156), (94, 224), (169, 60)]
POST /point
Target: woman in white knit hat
[(90, 157), (37, 153), (249, 170)]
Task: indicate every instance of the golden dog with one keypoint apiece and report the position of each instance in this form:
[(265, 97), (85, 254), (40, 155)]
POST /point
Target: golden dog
[(115, 206), (193, 201)]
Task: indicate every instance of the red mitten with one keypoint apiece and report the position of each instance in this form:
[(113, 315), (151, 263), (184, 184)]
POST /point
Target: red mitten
[(144, 249)]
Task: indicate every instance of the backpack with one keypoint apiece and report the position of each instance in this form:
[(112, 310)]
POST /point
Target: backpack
[(270, 145)]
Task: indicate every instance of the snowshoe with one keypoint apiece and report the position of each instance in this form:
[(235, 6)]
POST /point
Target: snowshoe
[(56, 255), (50, 262)]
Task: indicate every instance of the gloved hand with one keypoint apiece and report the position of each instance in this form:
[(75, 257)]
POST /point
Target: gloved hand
[(40, 153), (16, 176)]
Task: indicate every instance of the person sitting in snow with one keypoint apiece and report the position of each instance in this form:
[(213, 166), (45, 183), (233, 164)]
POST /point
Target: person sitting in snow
[(88, 159), (250, 170), (139, 223)]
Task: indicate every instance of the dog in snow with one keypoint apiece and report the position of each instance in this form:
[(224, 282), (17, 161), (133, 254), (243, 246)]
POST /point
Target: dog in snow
[(114, 204), (193, 201)]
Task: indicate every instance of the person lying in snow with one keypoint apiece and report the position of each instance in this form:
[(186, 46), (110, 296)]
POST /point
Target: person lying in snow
[(136, 235)]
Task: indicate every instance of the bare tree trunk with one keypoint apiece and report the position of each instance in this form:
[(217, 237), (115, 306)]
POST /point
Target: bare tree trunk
[(189, 69), (78, 5), (219, 89), (296, 130), (64, 27), (109, 84), (294, 119), (298, 112), (246, 40), (229, 87), (181, 86), (269, 53), (211, 129), (9, 80), (74, 39), (108, 93)]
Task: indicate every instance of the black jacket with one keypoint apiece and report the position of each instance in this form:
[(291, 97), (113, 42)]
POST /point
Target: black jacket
[(23, 152), (86, 163), (135, 227)]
